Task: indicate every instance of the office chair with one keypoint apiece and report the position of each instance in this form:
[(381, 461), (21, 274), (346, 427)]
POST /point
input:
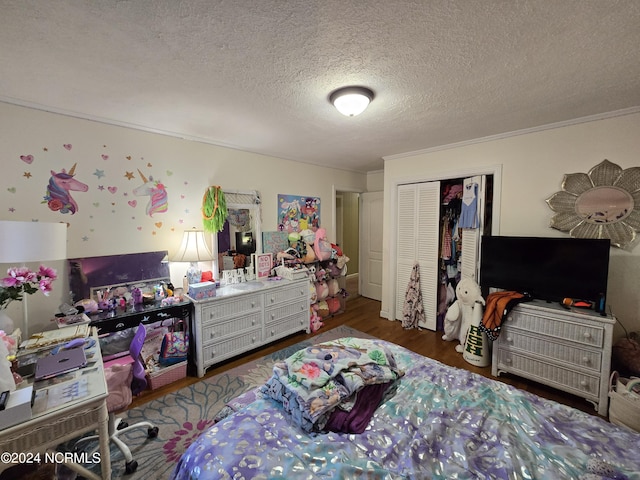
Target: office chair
[(123, 376)]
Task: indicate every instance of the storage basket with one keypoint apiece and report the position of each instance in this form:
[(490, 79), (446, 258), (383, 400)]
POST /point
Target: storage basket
[(166, 375), (292, 273), (624, 404)]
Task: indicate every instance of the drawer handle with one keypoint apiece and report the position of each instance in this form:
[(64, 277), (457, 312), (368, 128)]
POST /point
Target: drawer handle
[(585, 359), (509, 339), (586, 335), (273, 316), (253, 304), (272, 333), (253, 322), (253, 339), (583, 383), (508, 360), (212, 334), (273, 299)]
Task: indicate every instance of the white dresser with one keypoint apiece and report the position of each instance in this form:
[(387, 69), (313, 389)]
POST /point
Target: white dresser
[(566, 349), (245, 316)]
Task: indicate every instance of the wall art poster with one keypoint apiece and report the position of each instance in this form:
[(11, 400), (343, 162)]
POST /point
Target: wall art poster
[(297, 213), (274, 242)]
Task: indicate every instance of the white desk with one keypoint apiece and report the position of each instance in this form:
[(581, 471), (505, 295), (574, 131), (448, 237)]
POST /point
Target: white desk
[(65, 422)]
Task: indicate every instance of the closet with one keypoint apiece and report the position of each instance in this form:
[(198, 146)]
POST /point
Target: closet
[(427, 232)]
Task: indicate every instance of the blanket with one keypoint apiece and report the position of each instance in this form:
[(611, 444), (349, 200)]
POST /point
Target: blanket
[(442, 423), (313, 382)]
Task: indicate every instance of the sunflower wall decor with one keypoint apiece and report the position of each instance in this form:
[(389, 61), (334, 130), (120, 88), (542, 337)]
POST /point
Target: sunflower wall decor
[(604, 203)]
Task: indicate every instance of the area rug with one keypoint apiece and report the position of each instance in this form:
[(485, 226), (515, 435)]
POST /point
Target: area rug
[(183, 415)]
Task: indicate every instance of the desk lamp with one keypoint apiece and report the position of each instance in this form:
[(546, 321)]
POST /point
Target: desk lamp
[(193, 249)]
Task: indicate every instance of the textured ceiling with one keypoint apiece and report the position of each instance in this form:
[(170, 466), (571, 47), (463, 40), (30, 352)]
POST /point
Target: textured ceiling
[(255, 74)]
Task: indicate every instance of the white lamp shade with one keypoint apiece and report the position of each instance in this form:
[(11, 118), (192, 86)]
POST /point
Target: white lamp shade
[(193, 248), (351, 101), (22, 242)]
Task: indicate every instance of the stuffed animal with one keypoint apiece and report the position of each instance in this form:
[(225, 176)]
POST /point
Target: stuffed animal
[(322, 246), (315, 322), (334, 287), (459, 316), (313, 294), (323, 309), (334, 305), (322, 290)]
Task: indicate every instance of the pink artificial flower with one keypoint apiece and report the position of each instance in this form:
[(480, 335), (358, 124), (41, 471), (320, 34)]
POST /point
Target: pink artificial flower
[(46, 286), (21, 281), (47, 272)]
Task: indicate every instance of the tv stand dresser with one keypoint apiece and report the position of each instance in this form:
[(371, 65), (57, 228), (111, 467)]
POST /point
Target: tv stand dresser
[(567, 349), (245, 316)]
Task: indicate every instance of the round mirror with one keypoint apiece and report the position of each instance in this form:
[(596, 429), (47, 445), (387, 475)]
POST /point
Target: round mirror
[(604, 205)]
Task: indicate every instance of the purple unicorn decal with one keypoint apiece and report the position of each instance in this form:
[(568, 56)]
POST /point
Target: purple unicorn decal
[(58, 198), (158, 203)]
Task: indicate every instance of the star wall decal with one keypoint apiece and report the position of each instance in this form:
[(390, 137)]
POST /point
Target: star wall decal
[(99, 173), (129, 175), (27, 174)]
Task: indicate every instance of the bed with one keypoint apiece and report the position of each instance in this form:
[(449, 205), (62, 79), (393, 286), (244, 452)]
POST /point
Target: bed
[(435, 422)]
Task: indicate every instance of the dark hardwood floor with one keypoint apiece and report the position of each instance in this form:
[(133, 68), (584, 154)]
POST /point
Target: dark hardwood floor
[(363, 314)]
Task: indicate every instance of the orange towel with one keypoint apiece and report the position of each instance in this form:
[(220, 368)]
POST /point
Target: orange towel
[(499, 304)]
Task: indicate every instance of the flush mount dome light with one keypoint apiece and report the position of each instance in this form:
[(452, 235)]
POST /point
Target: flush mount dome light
[(351, 101)]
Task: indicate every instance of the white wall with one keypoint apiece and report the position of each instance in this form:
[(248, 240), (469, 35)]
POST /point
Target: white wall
[(533, 166), (110, 218)]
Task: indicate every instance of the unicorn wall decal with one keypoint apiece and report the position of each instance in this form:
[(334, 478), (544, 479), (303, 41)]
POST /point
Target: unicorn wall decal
[(58, 198), (158, 203)]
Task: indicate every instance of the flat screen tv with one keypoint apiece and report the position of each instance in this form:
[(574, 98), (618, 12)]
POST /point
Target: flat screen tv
[(547, 268)]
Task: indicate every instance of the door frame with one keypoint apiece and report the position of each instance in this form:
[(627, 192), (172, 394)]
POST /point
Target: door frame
[(495, 170)]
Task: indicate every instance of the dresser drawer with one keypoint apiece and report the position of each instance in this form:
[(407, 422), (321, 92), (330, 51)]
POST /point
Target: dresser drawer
[(285, 326), (219, 310), (274, 314), (584, 334), (287, 294), (582, 384), (232, 346), (514, 338), (220, 329)]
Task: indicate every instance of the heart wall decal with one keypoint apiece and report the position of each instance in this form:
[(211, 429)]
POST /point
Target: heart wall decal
[(68, 146), (133, 203), (27, 159)]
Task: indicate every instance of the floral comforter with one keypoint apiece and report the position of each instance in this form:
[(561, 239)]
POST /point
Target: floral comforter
[(442, 423)]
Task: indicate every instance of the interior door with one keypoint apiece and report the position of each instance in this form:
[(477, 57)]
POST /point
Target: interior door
[(417, 240), (371, 205)]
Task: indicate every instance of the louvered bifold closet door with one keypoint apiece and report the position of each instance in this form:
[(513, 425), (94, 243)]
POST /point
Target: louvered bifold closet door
[(470, 258), (417, 240), (405, 242)]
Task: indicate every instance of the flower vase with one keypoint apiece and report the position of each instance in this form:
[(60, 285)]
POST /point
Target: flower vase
[(6, 323)]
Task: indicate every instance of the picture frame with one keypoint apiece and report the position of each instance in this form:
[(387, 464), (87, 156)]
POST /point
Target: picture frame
[(263, 263)]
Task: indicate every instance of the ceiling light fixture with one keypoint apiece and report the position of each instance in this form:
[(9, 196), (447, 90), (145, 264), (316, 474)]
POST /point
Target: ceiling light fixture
[(351, 101)]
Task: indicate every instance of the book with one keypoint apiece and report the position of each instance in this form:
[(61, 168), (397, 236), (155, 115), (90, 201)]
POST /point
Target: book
[(48, 338)]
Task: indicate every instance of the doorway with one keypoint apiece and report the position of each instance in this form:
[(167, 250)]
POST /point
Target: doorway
[(347, 212)]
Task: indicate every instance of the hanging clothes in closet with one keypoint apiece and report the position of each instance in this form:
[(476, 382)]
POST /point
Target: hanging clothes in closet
[(450, 247)]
